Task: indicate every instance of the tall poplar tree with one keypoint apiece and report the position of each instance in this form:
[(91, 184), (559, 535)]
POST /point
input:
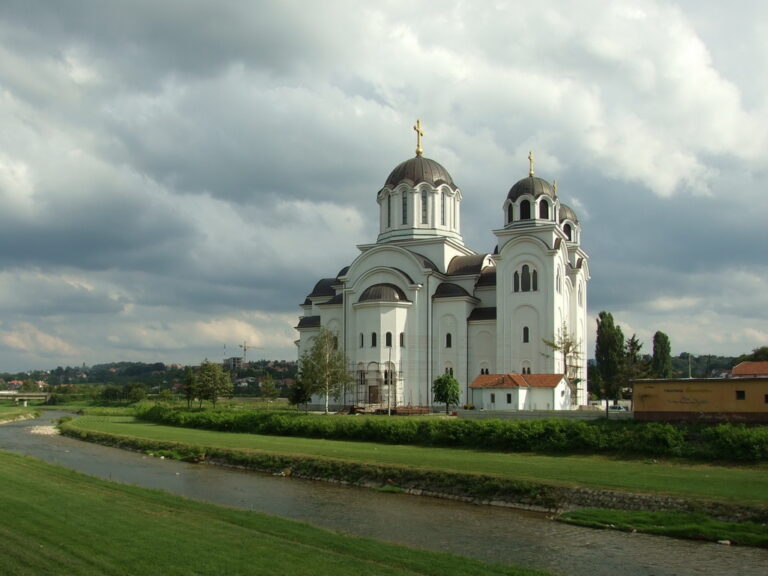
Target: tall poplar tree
[(609, 354), (661, 363)]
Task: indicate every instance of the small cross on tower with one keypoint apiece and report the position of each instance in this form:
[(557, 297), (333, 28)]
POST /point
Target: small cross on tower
[(419, 134), (530, 163)]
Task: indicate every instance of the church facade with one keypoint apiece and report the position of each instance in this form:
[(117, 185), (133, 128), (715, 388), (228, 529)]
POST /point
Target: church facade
[(418, 303)]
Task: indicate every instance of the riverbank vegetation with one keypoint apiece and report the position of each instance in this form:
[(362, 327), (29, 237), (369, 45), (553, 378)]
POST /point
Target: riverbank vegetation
[(65, 522), (13, 411), (744, 485), (690, 526), (626, 438), (520, 479)]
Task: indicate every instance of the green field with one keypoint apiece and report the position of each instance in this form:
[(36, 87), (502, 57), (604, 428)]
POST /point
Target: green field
[(744, 485), (13, 410), (56, 521)]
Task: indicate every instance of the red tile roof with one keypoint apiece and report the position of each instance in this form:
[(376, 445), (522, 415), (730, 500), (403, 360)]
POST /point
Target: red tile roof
[(516, 380), (750, 369)]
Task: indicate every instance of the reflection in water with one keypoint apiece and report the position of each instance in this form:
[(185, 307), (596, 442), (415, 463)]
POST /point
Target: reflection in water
[(492, 534)]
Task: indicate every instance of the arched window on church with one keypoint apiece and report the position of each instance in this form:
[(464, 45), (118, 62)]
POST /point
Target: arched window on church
[(388, 339), (567, 230), (373, 339), (544, 210), (448, 340), (535, 283), (362, 339), (389, 211), (525, 210), (402, 339), (510, 213), (424, 207), (442, 208), (335, 342), (526, 334), (559, 282), (525, 278), (517, 281), (405, 207)]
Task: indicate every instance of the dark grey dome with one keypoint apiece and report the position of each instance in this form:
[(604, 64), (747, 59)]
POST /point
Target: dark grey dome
[(383, 293), (567, 213), (417, 170), (531, 185)]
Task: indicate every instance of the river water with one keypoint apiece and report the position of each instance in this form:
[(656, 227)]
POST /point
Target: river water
[(491, 534)]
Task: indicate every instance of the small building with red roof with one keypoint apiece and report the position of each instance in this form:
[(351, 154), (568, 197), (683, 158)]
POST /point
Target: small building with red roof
[(750, 370), (521, 392)]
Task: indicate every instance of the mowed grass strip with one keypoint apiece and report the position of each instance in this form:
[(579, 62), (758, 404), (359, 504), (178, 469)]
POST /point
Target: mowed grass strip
[(56, 521), (690, 526), (747, 485), (10, 412)]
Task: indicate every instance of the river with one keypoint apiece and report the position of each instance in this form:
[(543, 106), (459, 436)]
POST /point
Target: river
[(491, 534)]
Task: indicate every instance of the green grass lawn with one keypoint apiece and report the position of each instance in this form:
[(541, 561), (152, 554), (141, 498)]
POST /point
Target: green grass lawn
[(11, 411), (748, 485), (56, 521)]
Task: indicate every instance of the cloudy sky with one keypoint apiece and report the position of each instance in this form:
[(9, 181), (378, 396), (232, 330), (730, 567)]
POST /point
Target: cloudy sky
[(176, 175)]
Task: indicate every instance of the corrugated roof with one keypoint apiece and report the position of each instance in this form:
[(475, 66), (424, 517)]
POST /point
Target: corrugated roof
[(488, 313), (516, 381), (450, 290), (309, 322)]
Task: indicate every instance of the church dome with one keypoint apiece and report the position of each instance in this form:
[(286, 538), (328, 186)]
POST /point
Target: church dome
[(567, 213), (417, 170), (383, 293), (531, 185)]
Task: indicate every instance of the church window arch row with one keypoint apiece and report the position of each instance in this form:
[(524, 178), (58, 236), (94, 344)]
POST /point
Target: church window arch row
[(404, 210), (525, 210), (448, 340), (388, 340), (544, 209), (568, 231), (424, 207), (525, 279), (373, 340)]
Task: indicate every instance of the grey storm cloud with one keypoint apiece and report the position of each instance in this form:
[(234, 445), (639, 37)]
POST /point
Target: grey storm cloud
[(176, 176)]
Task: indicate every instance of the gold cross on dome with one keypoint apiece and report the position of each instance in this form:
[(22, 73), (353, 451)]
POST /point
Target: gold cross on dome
[(419, 134), (530, 163)]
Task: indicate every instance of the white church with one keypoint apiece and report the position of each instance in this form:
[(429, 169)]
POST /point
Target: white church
[(418, 303)]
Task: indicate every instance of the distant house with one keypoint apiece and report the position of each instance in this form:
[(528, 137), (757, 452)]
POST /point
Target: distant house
[(521, 392), (750, 370)]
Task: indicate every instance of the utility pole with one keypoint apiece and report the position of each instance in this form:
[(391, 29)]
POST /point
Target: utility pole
[(244, 346)]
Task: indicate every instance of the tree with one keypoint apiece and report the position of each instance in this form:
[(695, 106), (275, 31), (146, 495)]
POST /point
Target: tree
[(268, 388), (213, 382), (661, 363), (323, 367), (609, 355), (299, 394), (635, 366), (569, 347), (189, 386), (445, 389)]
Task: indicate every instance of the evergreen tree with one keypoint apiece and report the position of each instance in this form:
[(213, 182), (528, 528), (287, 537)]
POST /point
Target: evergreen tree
[(323, 367), (609, 355), (661, 364), (445, 389), (635, 366)]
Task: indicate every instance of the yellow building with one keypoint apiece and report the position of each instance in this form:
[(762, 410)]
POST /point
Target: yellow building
[(707, 399)]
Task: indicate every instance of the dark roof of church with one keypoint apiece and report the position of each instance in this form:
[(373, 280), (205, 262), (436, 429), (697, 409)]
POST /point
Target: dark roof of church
[(450, 290), (338, 299), (567, 213), (462, 265), (417, 170), (487, 276), (531, 185), (483, 314), (309, 322), (324, 287), (383, 293), (342, 272)]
